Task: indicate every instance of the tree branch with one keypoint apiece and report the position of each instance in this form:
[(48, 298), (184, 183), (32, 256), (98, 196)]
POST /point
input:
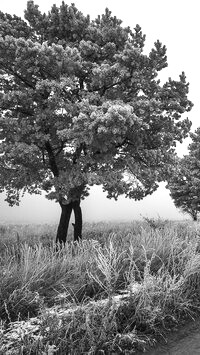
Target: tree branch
[(52, 160), (60, 149), (78, 151), (20, 77), (103, 88)]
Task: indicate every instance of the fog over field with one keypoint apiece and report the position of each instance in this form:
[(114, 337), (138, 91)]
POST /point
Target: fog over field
[(176, 24), (35, 209)]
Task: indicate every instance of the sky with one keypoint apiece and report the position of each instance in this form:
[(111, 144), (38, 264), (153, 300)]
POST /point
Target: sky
[(176, 24)]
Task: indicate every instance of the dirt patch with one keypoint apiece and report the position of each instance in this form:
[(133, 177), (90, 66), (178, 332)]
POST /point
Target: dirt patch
[(183, 341)]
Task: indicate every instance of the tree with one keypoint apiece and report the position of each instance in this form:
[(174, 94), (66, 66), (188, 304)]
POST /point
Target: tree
[(184, 182), (184, 186), (81, 104)]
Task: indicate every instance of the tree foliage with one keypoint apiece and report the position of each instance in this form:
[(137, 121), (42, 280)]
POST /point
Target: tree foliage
[(184, 188), (184, 183), (81, 104)]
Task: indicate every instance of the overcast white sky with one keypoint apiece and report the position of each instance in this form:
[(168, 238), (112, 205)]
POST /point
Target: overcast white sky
[(176, 24)]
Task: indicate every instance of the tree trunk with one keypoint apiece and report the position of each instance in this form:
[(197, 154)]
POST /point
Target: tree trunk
[(78, 220), (64, 223), (194, 215)]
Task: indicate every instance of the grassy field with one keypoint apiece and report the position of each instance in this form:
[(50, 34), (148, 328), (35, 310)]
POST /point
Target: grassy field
[(117, 292)]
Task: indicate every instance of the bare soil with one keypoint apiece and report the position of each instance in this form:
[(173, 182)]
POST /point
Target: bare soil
[(183, 341)]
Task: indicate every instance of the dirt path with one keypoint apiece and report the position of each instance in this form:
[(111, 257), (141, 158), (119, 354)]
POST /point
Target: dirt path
[(185, 341)]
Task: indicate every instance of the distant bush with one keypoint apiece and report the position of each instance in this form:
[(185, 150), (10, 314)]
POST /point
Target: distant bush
[(156, 223)]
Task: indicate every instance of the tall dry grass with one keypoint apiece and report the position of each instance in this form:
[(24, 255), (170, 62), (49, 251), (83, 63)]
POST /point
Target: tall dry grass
[(162, 260)]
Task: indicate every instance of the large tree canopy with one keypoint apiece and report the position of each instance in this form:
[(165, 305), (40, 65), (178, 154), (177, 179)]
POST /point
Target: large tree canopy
[(81, 104)]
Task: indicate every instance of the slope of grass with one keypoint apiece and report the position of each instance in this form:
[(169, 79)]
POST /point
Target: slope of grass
[(156, 265)]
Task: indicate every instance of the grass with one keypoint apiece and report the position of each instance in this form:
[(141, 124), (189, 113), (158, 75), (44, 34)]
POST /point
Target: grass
[(114, 293)]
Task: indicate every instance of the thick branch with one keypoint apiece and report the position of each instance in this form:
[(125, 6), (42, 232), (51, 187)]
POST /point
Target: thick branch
[(20, 77), (52, 160), (60, 149), (103, 88), (19, 110), (78, 151)]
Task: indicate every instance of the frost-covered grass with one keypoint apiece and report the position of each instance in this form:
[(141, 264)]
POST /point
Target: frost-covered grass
[(115, 292)]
